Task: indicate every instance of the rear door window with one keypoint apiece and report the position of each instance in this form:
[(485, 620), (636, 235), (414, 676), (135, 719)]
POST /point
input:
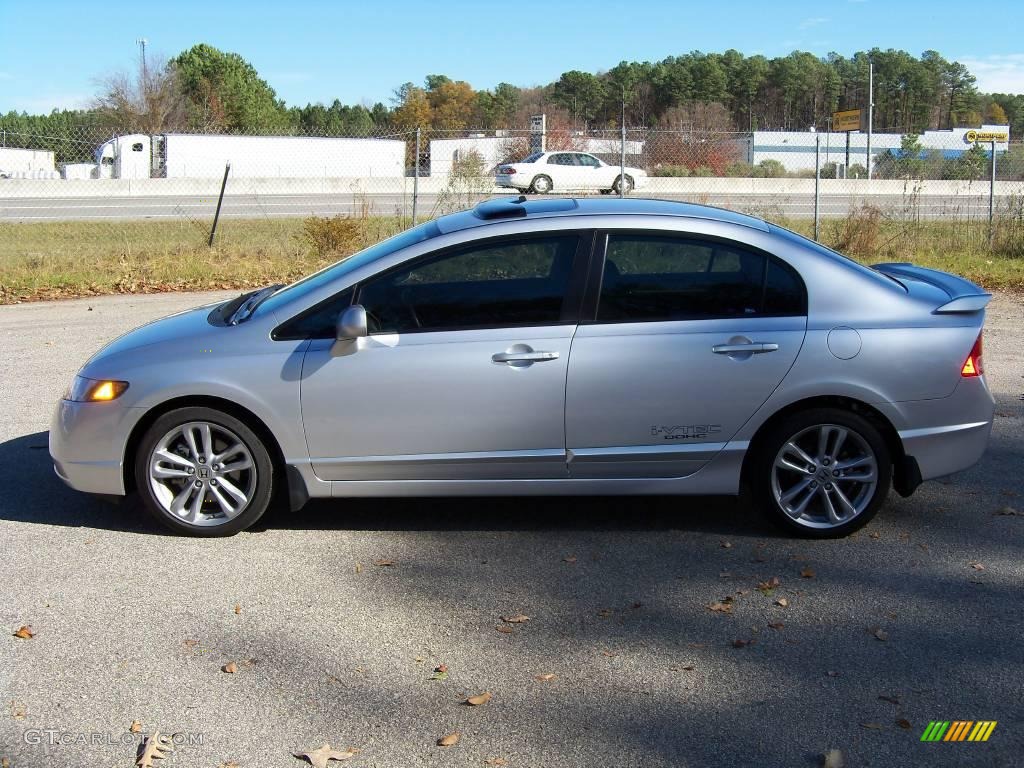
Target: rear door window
[(658, 278)]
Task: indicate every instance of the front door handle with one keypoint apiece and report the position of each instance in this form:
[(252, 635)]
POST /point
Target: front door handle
[(523, 357), (755, 347)]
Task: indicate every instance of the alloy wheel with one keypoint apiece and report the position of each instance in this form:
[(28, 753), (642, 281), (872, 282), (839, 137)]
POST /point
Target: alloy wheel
[(202, 473), (824, 476)]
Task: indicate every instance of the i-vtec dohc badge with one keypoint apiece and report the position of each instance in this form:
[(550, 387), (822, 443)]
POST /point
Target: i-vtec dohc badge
[(686, 431)]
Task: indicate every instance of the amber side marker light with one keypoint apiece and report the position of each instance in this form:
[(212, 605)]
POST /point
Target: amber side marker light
[(83, 390), (972, 365)]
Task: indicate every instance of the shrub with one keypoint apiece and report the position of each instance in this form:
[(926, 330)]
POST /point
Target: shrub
[(740, 170), (771, 169), (857, 234), (328, 235), (680, 171), (856, 171), (703, 172)]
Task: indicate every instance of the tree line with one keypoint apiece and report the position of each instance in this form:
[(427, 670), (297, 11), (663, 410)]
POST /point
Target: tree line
[(205, 89)]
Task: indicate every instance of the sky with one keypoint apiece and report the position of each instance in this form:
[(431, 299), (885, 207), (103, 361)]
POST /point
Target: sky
[(55, 51)]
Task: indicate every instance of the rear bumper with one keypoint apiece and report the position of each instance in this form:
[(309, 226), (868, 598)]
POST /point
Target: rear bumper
[(951, 434), (87, 442), (508, 181)]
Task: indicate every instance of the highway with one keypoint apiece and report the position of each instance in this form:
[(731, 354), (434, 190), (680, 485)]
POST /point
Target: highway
[(249, 206)]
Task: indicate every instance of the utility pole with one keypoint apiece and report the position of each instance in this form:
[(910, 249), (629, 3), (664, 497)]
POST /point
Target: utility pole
[(141, 42), (871, 109), (622, 155)]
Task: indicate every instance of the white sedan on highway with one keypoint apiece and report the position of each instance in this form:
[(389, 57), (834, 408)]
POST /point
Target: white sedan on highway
[(544, 172)]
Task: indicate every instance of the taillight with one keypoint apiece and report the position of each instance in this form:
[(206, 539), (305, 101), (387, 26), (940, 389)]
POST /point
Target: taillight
[(508, 170), (973, 365)]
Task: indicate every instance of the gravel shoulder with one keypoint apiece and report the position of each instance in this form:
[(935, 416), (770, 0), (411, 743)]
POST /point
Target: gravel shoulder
[(134, 624)]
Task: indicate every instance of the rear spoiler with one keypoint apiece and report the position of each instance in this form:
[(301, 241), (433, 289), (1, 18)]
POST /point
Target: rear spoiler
[(964, 296)]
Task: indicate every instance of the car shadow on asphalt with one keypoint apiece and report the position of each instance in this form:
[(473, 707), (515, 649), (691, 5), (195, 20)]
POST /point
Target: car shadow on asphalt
[(34, 494)]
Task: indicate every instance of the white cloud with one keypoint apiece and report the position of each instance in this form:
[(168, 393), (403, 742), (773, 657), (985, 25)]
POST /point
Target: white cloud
[(812, 22), (997, 74)]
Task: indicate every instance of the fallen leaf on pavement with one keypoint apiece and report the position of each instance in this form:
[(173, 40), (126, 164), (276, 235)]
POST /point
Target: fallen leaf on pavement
[(687, 668), (359, 567), (742, 643), (384, 563), (873, 726), (726, 545), (830, 673), (440, 672), (480, 698), (238, 608), (496, 761), (189, 643), (833, 759), (978, 566), (547, 677), (231, 667), (874, 535), (721, 607), (879, 633), (135, 727), (450, 740), (318, 757), (604, 613), (776, 625), (25, 632), (517, 619), (903, 723), (504, 629), (782, 602), (567, 559), (156, 748), (1007, 511), (229, 764), (807, 573), (766, 587)]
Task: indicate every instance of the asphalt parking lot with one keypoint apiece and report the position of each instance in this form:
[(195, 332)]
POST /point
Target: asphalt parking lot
[(337, 616)]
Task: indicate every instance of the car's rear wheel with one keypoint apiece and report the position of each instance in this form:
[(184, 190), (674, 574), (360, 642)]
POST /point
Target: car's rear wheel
[(203, 472), (541, 185), (618, 184), (822, 473)]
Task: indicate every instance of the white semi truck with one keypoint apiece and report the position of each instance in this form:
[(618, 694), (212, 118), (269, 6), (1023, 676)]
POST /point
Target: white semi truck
[(192, 156)]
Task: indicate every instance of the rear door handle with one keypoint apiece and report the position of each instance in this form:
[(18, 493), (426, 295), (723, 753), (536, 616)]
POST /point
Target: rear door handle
[(756, 348), (523, 357)]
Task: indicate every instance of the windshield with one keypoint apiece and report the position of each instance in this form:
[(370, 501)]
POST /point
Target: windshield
[(341, 268), (534, 157)]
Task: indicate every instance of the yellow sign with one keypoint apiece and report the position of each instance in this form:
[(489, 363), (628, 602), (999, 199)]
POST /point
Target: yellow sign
[(847, 120), (974, 136)]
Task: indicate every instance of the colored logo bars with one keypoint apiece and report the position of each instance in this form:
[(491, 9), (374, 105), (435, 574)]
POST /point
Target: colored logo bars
[(958, 730)]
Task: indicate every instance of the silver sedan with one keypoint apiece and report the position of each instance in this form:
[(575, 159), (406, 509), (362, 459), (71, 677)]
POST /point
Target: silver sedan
[(578, 347)]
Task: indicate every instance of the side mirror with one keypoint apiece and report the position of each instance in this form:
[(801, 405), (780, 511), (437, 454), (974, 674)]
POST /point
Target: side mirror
[(351, 324)]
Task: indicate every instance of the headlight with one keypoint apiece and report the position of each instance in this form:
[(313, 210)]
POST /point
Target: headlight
[(83, 390)]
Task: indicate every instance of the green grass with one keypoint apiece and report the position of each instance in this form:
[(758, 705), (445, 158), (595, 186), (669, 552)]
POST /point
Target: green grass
[(64, 259)]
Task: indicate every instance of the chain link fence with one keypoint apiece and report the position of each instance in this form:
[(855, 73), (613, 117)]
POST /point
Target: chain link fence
[(91, 187)]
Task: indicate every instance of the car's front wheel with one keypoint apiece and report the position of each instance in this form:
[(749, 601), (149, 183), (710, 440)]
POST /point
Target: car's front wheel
[(822, 473), (203, 472), (620, 186)]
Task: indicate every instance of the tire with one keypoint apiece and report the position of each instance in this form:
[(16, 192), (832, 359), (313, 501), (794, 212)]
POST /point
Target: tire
[(541, 185), (174, 500), (618, 183), (798, 488)]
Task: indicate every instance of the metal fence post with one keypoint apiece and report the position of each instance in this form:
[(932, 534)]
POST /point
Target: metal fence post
[(817, 184), (622, 163), (992, 200), (220, 202), (416, 179)]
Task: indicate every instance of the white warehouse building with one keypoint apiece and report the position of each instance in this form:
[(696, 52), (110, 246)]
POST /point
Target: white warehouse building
[(795, 149)]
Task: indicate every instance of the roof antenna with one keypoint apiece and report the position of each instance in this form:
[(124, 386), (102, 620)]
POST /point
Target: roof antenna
[(521, 199)]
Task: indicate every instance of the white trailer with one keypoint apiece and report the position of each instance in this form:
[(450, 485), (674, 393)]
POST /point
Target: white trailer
[(193, 156), (17, 163)]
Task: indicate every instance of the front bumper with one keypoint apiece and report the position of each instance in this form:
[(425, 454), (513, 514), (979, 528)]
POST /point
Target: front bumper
[(87, 444)]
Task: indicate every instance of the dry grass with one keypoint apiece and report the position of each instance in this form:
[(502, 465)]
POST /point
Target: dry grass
[(63, 259)]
